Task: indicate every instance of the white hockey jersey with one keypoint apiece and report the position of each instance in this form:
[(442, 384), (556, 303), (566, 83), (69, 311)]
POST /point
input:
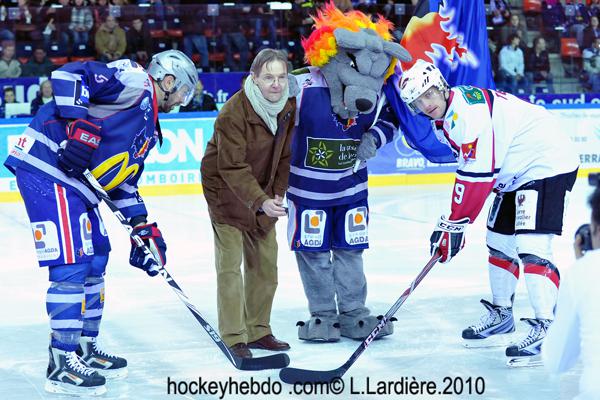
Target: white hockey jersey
[(501, 142)]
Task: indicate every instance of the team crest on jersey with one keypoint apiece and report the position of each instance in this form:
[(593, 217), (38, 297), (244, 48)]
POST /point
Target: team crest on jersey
[(141, 144), (450, 121), (469, 151), (472, 95), (344, 124)]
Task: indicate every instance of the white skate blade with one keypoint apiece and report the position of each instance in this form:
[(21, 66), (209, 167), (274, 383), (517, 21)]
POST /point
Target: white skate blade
[(112, 373), (501, 340), (527, 361), (65, 388)]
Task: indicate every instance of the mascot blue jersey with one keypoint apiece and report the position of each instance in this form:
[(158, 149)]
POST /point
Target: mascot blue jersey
[(120, 98), (324, 147)]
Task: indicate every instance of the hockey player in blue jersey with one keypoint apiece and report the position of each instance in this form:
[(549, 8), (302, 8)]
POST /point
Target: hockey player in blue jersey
[(104, 117), (341, 118)]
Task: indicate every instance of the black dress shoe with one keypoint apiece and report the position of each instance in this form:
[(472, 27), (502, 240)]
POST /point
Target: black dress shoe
[(241, 350), (269, 342)]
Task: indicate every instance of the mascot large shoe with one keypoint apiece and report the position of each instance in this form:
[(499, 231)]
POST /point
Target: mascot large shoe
[(358, 324), (319, 329)]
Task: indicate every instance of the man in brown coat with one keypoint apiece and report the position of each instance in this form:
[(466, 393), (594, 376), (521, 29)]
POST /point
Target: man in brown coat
[(245, 175)]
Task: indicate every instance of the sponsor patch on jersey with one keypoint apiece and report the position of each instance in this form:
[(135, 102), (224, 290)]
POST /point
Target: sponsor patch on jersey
[(330, 154), (355, 227), (21, 146), (45, 237), (312, 227), (85, 228), (472, 95), (469, 151), (526, 209)]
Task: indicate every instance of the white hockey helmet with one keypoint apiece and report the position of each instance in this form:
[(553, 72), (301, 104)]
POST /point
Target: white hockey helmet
[(417, 80), (174, 62)]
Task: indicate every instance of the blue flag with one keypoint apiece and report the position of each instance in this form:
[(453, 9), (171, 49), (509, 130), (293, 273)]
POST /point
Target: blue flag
[(452, 35)]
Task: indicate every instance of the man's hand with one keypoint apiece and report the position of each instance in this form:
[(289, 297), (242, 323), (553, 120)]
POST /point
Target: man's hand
[(274, 207), (83, 139), (448, 237)]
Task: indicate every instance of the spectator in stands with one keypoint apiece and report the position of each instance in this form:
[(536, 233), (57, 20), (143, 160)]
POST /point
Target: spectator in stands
[(343, 5), (537, 64), (512, 66), (100, 11), (57, 19), (515, 27), (500, 12), (591, 32), (577, 18), (232, 25), (82, 21), (25, 25), (264, 16), (139, 42), (110, 40), (44, 96), (553, 15), (194, 24), (10, 67), (7, 98), (38, 64), (201, 101), (6, 25), (595, 8), (591, 65), (300, 24)]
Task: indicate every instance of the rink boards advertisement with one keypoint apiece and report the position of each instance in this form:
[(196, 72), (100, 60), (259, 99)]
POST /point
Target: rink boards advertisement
[(174, 168)]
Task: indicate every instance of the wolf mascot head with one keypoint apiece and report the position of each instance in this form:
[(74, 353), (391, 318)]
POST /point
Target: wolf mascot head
[(355, 54)]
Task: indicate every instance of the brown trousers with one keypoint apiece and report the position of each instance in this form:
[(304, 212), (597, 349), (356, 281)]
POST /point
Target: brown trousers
[(244, 302)]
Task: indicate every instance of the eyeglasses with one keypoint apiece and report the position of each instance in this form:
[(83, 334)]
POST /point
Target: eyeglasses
[(270, 79)]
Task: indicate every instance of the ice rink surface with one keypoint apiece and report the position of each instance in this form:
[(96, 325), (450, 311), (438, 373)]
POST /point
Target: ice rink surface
[(145, 322)]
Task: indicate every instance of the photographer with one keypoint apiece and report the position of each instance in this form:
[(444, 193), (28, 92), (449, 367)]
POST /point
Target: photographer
[(576, 329)]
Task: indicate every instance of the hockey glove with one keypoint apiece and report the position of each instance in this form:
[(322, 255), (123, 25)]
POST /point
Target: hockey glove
[(154, 241), (367, 147), (83, 138), (448, 237)]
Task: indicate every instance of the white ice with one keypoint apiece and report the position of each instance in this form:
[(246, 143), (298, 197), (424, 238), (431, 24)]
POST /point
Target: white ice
[(145, 322)]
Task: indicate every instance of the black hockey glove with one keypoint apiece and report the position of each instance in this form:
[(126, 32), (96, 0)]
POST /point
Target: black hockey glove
[(448, 237), (153, 239), (83, 138)]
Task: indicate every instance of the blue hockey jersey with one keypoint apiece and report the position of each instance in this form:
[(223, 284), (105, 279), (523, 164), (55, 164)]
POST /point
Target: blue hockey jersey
[(324, 147), (120, 98)]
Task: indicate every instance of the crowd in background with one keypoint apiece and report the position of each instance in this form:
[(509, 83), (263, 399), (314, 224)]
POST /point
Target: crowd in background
[(37, 36)]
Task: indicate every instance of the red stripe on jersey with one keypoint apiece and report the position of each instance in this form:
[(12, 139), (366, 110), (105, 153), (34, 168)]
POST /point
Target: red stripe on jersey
[(505, 264), (63, 214), (471, 201), (486, 94), (543, 271)]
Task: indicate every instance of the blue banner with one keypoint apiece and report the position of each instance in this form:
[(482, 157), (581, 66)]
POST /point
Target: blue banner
[(452, 35)]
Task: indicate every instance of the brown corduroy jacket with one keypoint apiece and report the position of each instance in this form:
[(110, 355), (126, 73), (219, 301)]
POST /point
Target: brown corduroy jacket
[(245, 164)]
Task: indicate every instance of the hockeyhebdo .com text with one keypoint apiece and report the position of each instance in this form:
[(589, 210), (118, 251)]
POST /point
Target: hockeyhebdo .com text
[(350, 386)]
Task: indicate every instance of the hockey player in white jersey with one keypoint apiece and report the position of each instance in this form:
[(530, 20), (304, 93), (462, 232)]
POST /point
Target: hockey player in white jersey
[(518, 151)]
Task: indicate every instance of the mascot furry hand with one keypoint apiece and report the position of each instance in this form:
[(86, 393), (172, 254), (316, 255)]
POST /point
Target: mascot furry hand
[(355, 55)]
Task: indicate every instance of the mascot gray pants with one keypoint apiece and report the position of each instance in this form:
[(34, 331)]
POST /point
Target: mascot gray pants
[(334, 280)]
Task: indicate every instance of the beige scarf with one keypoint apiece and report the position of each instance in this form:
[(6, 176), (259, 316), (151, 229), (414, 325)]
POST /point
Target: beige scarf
[(265, 109)]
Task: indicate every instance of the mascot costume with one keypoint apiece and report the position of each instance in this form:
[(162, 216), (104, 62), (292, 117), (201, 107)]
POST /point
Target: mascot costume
[(342, 117)]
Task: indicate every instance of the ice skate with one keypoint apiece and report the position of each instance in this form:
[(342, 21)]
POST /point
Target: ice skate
[(492, 329), (108, 365), (68, 374), (319, 329), (526, 353)]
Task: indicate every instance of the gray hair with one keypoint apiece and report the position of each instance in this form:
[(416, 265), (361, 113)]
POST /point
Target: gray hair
[(266, 56)]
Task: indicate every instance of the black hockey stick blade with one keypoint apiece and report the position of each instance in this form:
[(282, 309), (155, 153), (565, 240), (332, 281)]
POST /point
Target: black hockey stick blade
[(297, 375), (275, 361)]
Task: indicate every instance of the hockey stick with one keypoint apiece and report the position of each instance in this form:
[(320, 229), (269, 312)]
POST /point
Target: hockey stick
[(249, 364), (297, 375)]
